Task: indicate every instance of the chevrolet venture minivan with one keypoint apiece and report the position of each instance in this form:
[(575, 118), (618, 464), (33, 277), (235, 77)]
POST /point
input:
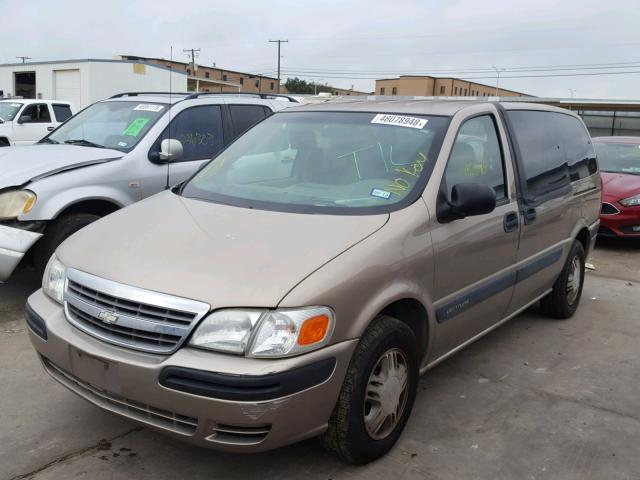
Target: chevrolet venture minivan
[(299, 283)]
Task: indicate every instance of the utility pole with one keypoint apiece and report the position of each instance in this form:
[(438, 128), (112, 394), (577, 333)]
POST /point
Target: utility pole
[(24, 59), (498, 70), (194, 53), (279, 42)]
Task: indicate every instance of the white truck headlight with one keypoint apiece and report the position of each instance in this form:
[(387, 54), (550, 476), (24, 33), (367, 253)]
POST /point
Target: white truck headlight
[(15, 203), (631, 201), (265, 333), (55, 275)]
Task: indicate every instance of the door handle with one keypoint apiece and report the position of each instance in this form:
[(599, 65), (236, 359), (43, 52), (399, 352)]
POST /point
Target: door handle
[(50, 129), (510, 222), (529, 215)]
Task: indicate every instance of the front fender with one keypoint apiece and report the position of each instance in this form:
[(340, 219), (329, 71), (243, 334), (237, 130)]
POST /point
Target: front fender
[(394, 263), (50, 204)]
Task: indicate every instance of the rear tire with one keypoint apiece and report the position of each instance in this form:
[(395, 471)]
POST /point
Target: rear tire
[(563, 300), (377, 394), (4, 142), (57, 232)]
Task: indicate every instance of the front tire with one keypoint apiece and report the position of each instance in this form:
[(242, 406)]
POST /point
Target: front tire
[(563, 300), (57, 232), (377, 394)]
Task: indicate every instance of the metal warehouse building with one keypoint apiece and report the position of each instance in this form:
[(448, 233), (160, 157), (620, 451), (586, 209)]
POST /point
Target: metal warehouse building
[(84, 82)]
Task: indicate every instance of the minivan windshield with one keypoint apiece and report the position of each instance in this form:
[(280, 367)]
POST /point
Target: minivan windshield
[(8, 110), (119, 125), (325, 162), (618, 157)]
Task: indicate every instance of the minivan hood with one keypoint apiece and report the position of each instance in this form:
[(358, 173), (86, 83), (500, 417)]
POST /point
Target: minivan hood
[(223, 255), (20, 165)]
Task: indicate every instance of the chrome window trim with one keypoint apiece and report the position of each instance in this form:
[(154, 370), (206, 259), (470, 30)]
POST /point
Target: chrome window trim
[(132, 294)]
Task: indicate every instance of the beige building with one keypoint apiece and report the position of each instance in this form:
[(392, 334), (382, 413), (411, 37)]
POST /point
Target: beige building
[(439, 87), (213, 79)]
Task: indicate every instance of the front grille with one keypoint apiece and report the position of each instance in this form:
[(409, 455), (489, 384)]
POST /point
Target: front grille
[(608, 209), (236, 435), (129, 316), (157, 417), (132, 309), (124, 333)]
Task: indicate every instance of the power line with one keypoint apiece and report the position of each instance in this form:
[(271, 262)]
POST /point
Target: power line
[(549, 68), (472, 77), (24, 59), (308, 55)]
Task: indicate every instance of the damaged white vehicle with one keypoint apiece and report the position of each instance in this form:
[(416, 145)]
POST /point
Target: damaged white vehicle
[(110, 155)]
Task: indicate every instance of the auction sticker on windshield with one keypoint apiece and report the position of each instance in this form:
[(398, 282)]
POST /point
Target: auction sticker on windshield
[(135, 127), (148, 107), (399, 121)]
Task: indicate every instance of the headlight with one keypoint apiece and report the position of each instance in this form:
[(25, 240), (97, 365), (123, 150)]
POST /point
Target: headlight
[(631, 201), (226, 330), (16, 203), (270, 333), (53, 280)]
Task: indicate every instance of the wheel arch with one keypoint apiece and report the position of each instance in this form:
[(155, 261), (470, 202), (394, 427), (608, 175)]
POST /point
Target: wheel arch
[(584, 237), (413, 313), (94, 206)]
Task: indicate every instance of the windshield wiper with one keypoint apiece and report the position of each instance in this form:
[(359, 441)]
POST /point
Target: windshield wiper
[(48, 140), (84, 143)]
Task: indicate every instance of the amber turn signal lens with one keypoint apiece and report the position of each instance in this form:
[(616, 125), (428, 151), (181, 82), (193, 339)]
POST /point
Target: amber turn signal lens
[(31, 201), (313, 330)]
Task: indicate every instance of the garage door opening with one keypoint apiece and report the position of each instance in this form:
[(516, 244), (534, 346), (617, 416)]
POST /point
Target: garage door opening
[(25, 84)]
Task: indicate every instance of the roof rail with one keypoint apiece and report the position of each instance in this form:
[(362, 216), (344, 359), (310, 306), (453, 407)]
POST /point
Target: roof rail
[(135, 94), (265, 96)]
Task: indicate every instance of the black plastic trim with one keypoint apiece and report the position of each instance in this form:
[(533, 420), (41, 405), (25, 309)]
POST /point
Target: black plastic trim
[(246, 388), (464, 302), (531, 268), (35, 322), (492, 287)]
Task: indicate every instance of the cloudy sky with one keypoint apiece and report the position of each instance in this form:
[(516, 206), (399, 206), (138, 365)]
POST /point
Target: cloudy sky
[(352, 42)]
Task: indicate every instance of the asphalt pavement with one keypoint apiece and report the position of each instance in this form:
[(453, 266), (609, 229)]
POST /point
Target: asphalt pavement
[(535, 399)]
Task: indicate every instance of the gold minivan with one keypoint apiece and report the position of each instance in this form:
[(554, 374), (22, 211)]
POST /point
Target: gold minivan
[(299, 283)]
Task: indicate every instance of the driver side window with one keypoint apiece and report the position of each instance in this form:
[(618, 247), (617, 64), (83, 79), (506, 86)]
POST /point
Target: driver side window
[(199, 129), (476, 157)]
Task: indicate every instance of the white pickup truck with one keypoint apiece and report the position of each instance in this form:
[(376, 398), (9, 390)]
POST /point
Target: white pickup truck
[(23, 121)]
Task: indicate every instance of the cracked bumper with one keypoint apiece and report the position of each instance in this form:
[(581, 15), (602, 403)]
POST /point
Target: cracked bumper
[(14, 243), (128, 383)]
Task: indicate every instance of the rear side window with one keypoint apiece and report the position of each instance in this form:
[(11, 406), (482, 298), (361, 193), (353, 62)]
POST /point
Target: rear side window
[(199, 129), (555, 149), (580, 152), (61, 112), (245, 116)]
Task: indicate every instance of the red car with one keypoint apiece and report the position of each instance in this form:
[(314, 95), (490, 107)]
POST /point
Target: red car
[(619, 159)]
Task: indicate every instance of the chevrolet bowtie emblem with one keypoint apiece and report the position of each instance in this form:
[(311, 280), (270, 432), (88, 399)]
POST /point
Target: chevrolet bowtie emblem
[(108, 317)]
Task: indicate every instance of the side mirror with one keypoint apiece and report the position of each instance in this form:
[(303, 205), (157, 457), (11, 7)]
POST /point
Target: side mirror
[(24, 119), (467, 200), (170, 150)]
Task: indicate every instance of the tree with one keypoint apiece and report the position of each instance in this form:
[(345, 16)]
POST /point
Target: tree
[(297, 85)]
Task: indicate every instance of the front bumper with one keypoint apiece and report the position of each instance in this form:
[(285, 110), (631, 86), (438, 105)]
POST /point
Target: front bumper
[(14, 243), (622, 223), (128, 382)]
